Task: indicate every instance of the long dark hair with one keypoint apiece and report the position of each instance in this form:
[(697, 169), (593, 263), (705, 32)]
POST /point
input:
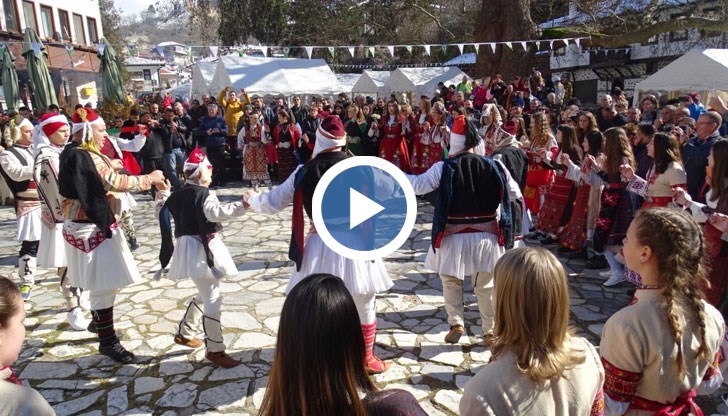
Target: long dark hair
[(319, 365), (570, 144), (719, 176), (666, 150), (595, 139)]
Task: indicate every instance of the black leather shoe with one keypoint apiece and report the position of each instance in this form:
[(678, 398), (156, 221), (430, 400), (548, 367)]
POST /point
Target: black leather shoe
[(117, 352), (133, 245), (597, 262)]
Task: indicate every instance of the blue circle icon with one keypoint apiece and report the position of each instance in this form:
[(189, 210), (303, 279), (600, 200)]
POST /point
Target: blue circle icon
[(364, 208)]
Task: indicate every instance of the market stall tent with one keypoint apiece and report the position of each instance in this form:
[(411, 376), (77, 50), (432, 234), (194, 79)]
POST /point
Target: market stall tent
[(202, 74), (415, 82), (699, 70), (347, 81), (275, 76), (373, 83)]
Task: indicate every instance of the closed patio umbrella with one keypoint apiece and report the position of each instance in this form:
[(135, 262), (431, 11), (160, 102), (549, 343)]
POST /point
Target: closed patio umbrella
[(44, 93), (11, 87), (112, 82)]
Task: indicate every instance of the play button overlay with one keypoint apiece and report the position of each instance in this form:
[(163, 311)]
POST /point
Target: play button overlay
[(361, 208), (364, 208)]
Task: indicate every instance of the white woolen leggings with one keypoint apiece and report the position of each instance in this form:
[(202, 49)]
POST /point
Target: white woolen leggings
[(366, 305)]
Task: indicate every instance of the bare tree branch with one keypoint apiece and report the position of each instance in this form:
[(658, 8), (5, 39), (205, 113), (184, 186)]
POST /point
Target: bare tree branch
[(435, 19), (641, 35)]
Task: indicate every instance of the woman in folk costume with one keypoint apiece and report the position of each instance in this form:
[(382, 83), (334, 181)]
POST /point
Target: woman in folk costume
[(392, 145), (472, 225), (714, 229), (356, 130), (286, 135), (418, 121), (617, 206), (539, 366), (363, 279), (663, 349), (542, 147), (121, 149), (556, 209), (491, 128), (664, 176), (99, 260), (200, 253), (578, 233), (16, 166), (50, 137), (255, 163), (430, 147)]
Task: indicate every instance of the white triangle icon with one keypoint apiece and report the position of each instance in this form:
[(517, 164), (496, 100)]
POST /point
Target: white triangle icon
[(361, 208)]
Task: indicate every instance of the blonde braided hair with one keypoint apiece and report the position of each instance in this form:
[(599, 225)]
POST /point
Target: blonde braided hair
[(677, 244)]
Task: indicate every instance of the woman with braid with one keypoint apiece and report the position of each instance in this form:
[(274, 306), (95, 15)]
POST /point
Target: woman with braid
[(663, 349)]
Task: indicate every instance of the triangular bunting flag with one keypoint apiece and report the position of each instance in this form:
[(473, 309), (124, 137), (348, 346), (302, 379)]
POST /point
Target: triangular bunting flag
[(538, 45), (409, 49), (351, 50), (265, 51), (372, 50), (213, 50), (510, 45), (69, 50), (492, 46), (525, 47), (36, 48), (309, 51), (286, 51), (477, 47), (241, 53), (551, 45), (132, 49), (578, 42), (332, 51), (391, 50), (626, 50), (189, 52), (566, 42), (460, 47), (101, 47), (427, 49)]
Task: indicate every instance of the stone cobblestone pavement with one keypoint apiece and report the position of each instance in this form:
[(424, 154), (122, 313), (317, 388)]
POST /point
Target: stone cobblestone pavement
[(170, 380)]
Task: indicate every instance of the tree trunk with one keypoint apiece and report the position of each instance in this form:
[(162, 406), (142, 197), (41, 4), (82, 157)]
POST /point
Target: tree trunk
[(504, 20)]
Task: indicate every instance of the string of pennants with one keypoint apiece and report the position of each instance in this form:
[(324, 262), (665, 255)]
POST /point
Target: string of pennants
[(373, 50), (39, 46)]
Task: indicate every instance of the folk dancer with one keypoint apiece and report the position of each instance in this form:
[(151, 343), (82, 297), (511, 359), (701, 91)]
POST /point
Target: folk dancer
[(99, 259), (472, 225), (16, 163), (50, 137), (363, 279), (200, 253), (255, 162)]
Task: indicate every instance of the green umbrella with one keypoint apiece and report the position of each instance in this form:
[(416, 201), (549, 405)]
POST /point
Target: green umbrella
[(111, 80), (44, 93), (11, 87)]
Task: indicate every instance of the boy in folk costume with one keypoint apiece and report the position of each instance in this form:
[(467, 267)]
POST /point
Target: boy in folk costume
[(363, 279), (99, 259), (16, 166), (472, 225), (200, 253), (50, 137)]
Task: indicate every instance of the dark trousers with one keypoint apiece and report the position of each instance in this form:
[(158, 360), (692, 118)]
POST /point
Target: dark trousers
[(149, 166), (217, 159)]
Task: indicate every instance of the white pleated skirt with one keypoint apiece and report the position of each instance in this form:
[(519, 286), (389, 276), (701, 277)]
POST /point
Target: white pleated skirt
[(463, 255), (52, 247), (29, 225), (360, 277), (188, 259), (109, 266)]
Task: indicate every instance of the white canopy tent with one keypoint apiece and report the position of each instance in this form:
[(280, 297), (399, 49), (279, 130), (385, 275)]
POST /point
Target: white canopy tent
[(347, 81), (275, 76), (373, 83), (202, 73), (423, 81), (180, 91), (699, 70)]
